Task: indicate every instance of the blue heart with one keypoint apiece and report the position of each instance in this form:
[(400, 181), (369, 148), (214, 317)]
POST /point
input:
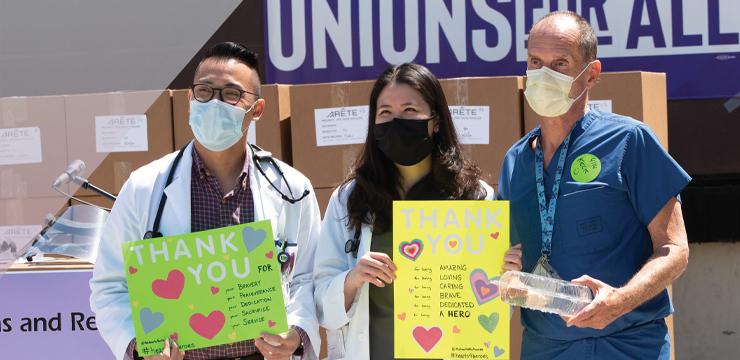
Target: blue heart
[(150, 321), (497, 352), (252, 239)]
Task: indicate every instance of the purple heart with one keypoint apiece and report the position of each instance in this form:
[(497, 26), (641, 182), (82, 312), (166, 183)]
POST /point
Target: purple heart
[(480, 281), (492, 289)]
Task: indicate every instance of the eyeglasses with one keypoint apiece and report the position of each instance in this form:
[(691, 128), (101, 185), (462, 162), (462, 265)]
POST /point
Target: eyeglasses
[(229, 94)]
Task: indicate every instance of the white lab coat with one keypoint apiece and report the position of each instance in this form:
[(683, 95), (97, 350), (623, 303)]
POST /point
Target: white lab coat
[(347, 332), (133, 214)]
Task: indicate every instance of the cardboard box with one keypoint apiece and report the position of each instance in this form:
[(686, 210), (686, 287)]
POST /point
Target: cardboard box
[(325, 166), (272, 130), (637, 94), (31, 173), (323, 195), (30, 211), (109, 170), (503, 97)]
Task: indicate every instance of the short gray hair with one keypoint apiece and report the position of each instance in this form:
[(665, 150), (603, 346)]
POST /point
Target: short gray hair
[(587, 41)]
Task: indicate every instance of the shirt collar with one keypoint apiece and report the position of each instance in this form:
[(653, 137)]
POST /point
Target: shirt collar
[(201, 168)]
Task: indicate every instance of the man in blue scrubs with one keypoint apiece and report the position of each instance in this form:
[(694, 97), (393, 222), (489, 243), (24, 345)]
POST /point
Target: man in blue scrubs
[(614, 222)]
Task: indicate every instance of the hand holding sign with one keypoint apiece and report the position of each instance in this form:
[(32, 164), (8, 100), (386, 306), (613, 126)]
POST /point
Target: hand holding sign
[(371, 267)]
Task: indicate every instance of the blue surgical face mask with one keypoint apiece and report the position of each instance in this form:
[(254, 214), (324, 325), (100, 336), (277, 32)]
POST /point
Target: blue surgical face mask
[(216, 124)]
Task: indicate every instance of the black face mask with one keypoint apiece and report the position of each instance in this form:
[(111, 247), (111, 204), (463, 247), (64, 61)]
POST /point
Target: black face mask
[(405, 141)]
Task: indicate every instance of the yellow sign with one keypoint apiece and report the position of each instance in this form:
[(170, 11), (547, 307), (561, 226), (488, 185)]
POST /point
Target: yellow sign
[(448, 253)]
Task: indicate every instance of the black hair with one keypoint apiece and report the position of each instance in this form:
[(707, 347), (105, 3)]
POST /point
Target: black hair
[(453, 175), (238, 52)]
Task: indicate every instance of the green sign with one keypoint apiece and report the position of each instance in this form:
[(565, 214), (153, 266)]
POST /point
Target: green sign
[(209, 288), (585, 168)]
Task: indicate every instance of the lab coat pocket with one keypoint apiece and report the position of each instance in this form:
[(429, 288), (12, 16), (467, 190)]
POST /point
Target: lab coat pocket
[(335, 343), (584, 221)]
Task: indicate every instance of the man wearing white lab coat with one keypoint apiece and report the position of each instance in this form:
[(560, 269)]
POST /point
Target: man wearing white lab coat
[(233, 83)]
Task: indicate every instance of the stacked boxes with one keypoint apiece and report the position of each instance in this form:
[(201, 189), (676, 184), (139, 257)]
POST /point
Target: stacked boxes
[(33, 152)]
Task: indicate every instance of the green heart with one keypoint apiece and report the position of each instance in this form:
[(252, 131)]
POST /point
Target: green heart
[(488, 322)]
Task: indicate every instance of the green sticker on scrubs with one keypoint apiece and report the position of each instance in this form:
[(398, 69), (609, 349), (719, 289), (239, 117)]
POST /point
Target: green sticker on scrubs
[(585, 168)]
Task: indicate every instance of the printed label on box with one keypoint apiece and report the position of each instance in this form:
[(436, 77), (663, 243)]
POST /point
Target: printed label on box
[(341, 126), (20, 146), (14, 239), (601, 105), (471, 123), (121, 133)]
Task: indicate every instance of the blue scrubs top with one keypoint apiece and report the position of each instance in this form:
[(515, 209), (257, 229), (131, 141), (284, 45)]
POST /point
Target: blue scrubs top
[(601, 225)]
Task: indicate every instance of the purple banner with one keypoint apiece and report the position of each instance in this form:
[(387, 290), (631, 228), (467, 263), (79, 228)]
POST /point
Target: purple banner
[(46, 315), (697, 43)]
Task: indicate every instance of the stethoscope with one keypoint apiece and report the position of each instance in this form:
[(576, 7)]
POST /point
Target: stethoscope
[(258, 156)]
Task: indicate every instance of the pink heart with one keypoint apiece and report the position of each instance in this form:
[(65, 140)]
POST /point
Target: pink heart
[(269, 255), (402, 316), (207, 327), (495, 235), (455, 330), (174, 335), (170, 288), (427, 339), (411, 250), (214, 290), (271, 323), (482, 286), (132, 270)]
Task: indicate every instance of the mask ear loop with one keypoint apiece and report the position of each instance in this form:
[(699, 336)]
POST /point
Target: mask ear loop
[(576, 78)]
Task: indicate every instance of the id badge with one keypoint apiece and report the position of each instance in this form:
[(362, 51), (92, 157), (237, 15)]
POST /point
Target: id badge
[(543, 268)]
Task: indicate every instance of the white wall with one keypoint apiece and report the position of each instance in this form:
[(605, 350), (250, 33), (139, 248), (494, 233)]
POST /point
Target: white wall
[(89, 46), (707, 303)]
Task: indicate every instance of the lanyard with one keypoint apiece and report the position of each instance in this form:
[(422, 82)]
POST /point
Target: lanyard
[(547, 213)]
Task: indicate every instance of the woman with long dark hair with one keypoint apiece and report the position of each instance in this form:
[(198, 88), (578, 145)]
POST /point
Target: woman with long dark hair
[(411, 153)]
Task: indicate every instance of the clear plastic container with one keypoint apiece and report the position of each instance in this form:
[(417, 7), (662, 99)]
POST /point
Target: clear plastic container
[(542, 293)]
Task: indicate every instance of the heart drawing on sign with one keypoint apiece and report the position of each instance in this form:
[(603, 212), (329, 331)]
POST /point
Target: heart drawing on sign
[(271, 323), (132, 270), (170, 288), (488, 322), (495, 235), (252, 239), (207, 327), (487, 344), (402, 316), (482, 286), (498, 351), (150, 321), (411, 250), (455, 329), (214, 290), (427, 339)]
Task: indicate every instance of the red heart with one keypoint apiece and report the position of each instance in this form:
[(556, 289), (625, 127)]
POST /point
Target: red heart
[(269, 255), (427, 339), (453, 244), (402, 316), (455, 330), (271, 323), (495, 235), (214, 290), (170, 288), (132, 270), (207, 327), (174, 335)]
